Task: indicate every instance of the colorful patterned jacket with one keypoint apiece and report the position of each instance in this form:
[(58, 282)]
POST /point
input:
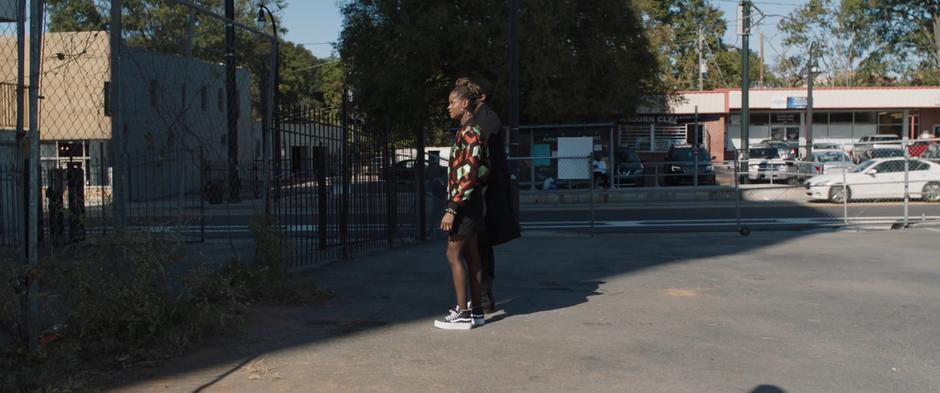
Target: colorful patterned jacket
[(468, 168)]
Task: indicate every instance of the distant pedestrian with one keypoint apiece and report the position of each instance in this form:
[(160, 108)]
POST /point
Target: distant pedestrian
[(502, 225), (600, 173), (468, 170)]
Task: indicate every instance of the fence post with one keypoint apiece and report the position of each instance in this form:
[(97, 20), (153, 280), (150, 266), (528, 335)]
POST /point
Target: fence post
[(344, 198), (119, 157), (737, 192), (592, 187), (35, 67), (419, 187), (391, 191), (845, 198), (695, 150)]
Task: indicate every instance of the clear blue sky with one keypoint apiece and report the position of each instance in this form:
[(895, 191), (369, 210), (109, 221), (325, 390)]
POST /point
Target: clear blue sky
[(313, 22), (319, 21)]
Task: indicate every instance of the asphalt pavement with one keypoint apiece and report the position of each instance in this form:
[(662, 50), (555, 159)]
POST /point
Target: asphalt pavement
[(809, 311)]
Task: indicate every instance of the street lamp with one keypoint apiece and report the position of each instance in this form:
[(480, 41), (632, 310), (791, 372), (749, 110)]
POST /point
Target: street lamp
[(262, 10)]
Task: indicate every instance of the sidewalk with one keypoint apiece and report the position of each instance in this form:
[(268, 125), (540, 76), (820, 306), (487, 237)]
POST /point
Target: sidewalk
[(761, 192), (704, 312)]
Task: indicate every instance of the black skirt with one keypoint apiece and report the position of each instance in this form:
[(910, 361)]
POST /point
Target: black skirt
[(470, 217)]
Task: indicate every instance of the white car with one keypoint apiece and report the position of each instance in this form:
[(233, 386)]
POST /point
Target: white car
[(765, 163), (880, 178)]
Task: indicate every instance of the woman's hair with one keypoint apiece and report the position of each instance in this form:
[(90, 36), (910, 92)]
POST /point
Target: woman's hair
[(468, 93), (477, 86)]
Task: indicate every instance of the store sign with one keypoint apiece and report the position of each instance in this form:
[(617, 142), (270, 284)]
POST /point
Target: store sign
[(662, 119), (785, 118), (672, 119), (778, 102), (796, 102)]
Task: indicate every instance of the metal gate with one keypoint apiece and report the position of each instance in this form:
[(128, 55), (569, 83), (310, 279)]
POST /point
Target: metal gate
[(340, 187)]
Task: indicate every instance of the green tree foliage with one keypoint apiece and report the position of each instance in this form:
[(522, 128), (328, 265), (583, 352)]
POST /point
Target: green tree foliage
[(161, 26), (907, 36), (580, 61), (675, 28), (864, 42), (842, 46)]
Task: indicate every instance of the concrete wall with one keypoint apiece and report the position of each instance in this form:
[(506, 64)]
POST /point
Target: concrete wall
[(175, 116)]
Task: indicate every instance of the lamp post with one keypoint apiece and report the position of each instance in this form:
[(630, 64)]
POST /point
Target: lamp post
[(262, 10)]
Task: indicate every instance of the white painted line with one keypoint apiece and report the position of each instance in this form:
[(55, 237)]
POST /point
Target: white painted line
[(804, 221)]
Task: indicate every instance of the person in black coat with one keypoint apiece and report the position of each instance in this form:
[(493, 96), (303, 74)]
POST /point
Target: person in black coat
[(502, 225)]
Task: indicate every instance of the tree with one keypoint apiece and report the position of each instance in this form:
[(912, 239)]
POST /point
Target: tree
[(907, 34), (842, 47), (580, 61), (865, 42), (675, 28)]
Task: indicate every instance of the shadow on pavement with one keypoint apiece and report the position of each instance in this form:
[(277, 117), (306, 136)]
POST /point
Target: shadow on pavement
[(544, 272)]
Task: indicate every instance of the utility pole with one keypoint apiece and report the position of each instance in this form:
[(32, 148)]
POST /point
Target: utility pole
[(810, 79), (701, 65), (231, 102), (745, 31), (761, 83), (513, 73)]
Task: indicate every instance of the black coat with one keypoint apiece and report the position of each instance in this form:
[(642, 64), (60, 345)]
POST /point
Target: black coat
[(502, 224)]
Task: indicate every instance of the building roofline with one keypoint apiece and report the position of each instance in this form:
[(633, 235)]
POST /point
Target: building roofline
[(835, 88)]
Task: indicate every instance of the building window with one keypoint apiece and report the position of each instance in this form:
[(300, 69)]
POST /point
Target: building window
[(71, 149), (221, 101), (154, 94), (841, 117), (183, 96), (890, 123), (760, 119), (203, 99)]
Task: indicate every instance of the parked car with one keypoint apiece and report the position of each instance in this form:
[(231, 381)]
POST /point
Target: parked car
[(681, 168), (827, 146), (788, 151), (404, 172), (880, 178), (932, 153), (866, 143), (764, 163), (629, 169), (882, 152), (823, 162)]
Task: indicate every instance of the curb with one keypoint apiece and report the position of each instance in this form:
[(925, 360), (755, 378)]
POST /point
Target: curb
[(671, 194)]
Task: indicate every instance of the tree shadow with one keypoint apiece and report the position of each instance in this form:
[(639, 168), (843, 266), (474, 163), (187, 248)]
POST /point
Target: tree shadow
[(544, 271)]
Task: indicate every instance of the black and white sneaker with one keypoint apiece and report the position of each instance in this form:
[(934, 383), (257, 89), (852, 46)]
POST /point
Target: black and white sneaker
[(476, 317), (455, 319)]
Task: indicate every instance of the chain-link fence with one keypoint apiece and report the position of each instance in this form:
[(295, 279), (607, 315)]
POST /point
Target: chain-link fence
[(882, 180)]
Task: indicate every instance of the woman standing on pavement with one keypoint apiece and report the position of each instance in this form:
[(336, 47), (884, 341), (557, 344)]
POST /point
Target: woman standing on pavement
[(501, 223), (463, 219)]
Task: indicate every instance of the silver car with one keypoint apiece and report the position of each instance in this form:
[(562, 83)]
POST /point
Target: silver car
[(823, 162), (862, 149)]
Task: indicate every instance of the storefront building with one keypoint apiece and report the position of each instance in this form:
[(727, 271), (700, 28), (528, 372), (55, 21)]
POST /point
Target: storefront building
[(840, 115)]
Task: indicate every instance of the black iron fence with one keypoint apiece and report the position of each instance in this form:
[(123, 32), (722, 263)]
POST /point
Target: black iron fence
[(343, 187)]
